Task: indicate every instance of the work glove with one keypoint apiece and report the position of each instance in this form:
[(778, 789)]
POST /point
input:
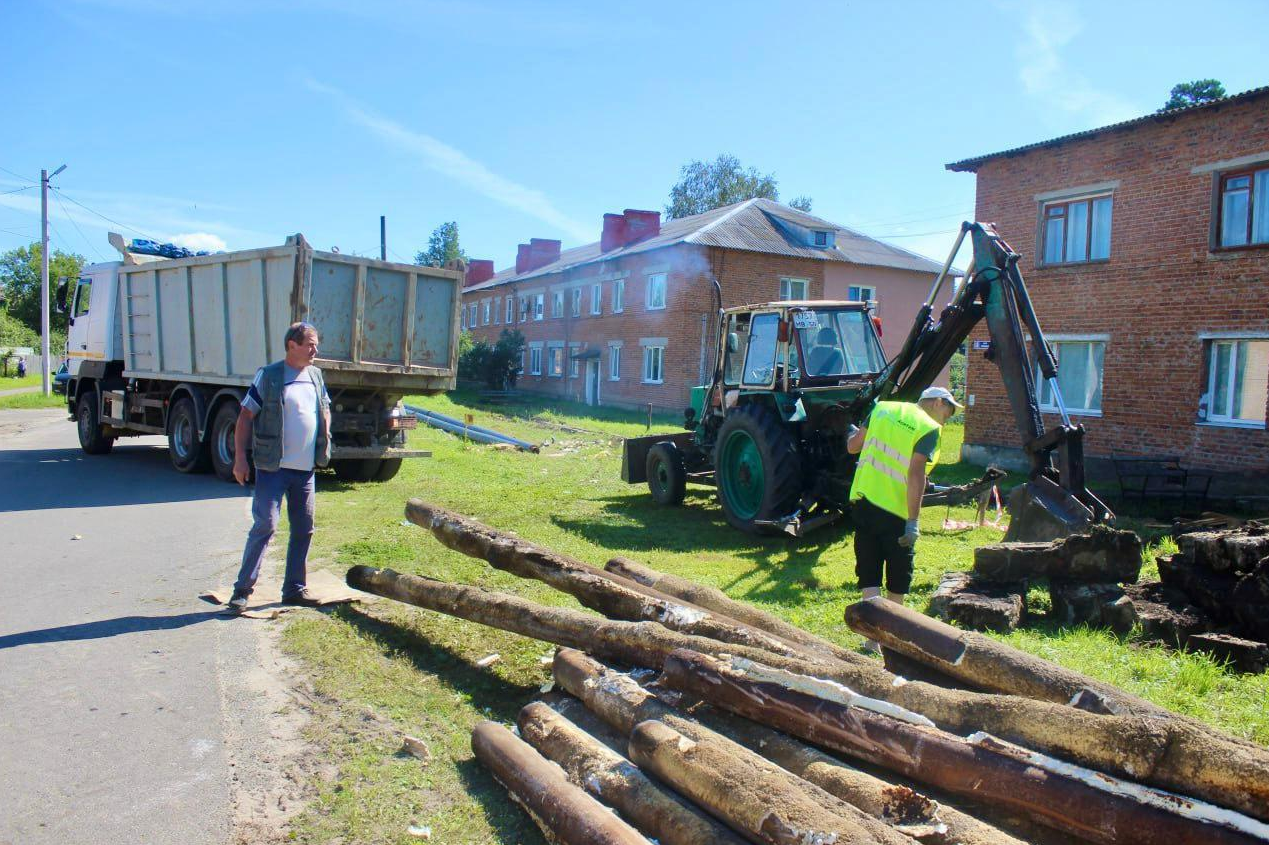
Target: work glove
[(910, 534)]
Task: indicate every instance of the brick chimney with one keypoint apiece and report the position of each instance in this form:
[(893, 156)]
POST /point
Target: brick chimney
[(479, 270), (522, 259), (614, 234), (542, 252), (641, 225)]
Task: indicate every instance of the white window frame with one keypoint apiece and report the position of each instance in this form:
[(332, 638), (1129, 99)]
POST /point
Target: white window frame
[(539, 305), (654, 353), (859, 291), (557, 304), (596, 298), (535, 359), (575, 302), (614, 362), (786, 288), (618, 296), (497, 310), (655, 280), (485, 309), (1056, 340), (471, 316), (511, 310), (1210, 344), (551, 351), (574, 363)]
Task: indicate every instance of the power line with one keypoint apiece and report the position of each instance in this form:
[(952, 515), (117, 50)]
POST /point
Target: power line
[(102, 216), (18, 190), (19, 175), (90, 244)]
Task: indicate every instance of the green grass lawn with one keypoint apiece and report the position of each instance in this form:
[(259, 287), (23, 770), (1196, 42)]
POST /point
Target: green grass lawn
[(386, 669), (11, 381), (34, 399)]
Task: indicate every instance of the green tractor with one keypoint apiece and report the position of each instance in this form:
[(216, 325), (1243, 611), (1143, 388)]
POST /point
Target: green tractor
[(791, 379)]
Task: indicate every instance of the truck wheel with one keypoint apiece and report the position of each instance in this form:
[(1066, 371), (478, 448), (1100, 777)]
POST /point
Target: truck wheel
[(187, 450), (388, 469), (667, 479), (355, 469), (220, 440), (757, 468), (91, 438)]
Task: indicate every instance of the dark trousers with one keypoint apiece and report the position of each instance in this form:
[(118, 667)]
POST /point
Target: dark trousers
[(296, 486), (877, 534)]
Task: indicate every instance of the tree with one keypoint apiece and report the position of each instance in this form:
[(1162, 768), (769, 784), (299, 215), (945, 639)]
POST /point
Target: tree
[(442, 247), (20, 279), (502, 367), (1194, 93), (705, 185)]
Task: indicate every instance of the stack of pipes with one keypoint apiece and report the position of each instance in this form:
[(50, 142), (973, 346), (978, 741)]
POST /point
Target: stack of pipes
[(758, 731)]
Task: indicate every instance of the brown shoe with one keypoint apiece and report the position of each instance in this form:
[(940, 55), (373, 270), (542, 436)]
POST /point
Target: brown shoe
[(302, 599)]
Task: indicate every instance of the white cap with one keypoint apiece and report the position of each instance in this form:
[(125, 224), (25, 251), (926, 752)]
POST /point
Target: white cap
[(940, 393)]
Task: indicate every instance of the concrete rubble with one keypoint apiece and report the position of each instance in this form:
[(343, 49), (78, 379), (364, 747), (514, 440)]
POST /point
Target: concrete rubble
[(832, 747)]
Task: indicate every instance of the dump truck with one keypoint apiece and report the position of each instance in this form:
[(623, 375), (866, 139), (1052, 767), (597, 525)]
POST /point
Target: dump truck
[(169, 346), (791, 378)]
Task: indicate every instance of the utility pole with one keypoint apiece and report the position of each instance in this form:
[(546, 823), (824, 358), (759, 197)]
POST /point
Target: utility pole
[(44, 304), (383, 238)]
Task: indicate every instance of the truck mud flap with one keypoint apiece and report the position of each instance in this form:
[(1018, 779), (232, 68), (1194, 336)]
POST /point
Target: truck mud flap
[(634, 453)]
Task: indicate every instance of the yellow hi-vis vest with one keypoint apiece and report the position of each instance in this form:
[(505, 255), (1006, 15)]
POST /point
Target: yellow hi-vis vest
[(894, 429)]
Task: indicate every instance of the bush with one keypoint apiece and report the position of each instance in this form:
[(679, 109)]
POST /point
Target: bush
[(956, 376), (498, 366)]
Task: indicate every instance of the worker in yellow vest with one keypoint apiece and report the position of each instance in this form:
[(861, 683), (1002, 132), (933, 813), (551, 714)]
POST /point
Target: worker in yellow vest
[(897, 446)]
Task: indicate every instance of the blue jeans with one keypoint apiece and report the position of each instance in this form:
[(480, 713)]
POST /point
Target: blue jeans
[(297, 486)]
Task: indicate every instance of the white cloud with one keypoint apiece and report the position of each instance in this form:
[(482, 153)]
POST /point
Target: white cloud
[(1048, 28), (439, 156), (199, 241)]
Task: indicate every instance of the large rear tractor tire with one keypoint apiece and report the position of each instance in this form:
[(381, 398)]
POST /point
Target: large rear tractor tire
[(88, 421), (355, 469), (757, 468), (220, 441), (667, 478), (187, 450)]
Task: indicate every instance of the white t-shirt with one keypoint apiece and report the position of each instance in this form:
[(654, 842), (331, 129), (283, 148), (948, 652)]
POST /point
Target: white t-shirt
[(299, 416)]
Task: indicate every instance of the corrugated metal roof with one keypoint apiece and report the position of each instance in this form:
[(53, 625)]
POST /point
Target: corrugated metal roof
[(756, 225), (971, 164)]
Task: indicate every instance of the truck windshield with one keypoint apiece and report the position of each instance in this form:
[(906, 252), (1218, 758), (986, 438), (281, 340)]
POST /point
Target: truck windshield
[(838, 343)]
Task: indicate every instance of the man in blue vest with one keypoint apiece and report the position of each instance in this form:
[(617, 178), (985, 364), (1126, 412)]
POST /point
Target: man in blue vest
[(897, 447), (285, 419)]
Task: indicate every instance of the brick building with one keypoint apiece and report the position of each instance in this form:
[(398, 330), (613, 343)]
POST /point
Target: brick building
[(627, 320), (1145, 246)]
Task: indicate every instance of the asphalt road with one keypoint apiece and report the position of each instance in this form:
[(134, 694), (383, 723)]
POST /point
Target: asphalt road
[(118, 687)]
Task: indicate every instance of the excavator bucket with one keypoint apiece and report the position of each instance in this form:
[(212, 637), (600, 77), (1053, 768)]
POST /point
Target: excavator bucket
[(1041, 510)]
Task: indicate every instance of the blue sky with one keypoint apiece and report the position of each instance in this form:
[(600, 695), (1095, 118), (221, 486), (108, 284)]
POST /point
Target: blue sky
[(235, 123)]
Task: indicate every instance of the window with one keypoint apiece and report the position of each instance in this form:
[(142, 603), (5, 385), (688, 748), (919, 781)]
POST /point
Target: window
[(861, 293), (574, 364), (511, 309), (83, 295), (614, 362), (760, 360), (484, 312), (555, 361), (497, 309), (1244, 208), (1078, 230), (618, 296), (596, 292), (1079, 376), (654, 364), (821, 238), (793, 288), (1237, 382), (656, 292), (538, 302), (557, 304), (524, 308), (471, 316), (535, 360), (577, 301)]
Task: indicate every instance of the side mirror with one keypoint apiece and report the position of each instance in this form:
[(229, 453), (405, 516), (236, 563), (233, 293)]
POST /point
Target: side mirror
[(733, 342), (61, 297)]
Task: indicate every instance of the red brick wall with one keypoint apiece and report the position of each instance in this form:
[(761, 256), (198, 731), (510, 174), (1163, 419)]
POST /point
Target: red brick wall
[(1161, 288), (746, 277)]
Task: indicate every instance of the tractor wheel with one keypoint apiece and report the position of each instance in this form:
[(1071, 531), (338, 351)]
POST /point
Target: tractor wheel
[(757, 468), (667, 479)]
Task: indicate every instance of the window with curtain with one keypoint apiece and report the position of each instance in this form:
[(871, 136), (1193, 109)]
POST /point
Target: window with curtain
[(576, 297), (1079, 376), (618, 296), (656, 292), (535, 360), (653, 364), (538, 302), (555, 361), (1237, 381), (1244, 208), (557, 304), (1077, 230)]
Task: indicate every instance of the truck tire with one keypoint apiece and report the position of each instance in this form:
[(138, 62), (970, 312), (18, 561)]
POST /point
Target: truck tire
[(388, 469), (87, 419), (188, 451), (757, 468), (220, 441), (667, 478), (355, 469)]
